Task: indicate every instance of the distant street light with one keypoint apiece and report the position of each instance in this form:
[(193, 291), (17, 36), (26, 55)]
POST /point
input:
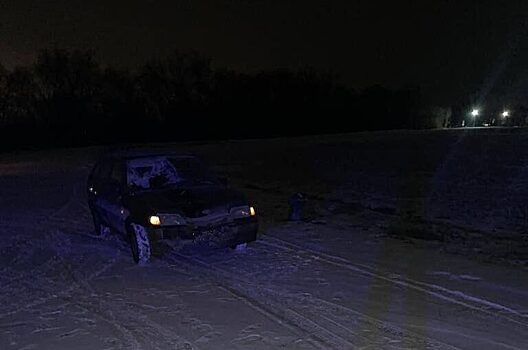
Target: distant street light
[(505, 114), (474, 114)]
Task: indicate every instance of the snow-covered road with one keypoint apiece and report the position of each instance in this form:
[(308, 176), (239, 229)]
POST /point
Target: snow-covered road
[(336, 283)]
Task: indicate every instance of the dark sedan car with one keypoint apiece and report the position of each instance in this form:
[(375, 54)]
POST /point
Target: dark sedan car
[(151, 197)]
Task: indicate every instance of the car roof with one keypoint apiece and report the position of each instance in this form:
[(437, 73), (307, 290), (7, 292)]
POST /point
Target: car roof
[(146, 153)]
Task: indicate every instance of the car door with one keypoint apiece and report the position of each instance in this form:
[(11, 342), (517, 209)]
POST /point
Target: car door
[(116, 212), (98, 186)]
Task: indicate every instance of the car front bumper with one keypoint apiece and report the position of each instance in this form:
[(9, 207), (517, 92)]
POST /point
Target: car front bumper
[(222, 235)]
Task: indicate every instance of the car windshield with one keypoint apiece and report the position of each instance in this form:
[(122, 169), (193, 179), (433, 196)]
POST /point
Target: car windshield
[(154, 173)]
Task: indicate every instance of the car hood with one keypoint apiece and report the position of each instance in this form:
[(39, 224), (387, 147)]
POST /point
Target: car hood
[(191, 202)]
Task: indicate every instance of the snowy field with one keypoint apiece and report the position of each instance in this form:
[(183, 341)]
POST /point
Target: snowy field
[(348, 277)]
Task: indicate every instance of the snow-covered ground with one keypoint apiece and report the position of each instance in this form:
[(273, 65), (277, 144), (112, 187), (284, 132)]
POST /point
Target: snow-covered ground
[(339, 281)]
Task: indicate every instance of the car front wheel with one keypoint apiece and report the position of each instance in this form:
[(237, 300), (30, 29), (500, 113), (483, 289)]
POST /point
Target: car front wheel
[(140, 244)]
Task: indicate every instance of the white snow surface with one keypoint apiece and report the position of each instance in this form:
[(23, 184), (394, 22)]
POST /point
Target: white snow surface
[(339, 282)]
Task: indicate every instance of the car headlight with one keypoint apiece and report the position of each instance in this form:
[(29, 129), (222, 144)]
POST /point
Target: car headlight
[(242, 212), (155, 220)]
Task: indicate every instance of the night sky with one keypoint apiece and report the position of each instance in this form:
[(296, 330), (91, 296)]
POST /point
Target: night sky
[(450, 48)]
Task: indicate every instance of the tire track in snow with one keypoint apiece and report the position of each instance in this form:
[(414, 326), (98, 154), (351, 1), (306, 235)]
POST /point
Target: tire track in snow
[(273, 315), (118, 318), (250, 295), (70, 293), (25, 251), (454, 297), (307, 314), (60, 251), (52, 295)]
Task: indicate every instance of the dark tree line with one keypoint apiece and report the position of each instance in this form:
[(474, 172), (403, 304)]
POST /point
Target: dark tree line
[(68, 98)]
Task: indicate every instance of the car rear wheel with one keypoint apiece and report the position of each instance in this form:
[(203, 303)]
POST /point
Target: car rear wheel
[(140, 244)]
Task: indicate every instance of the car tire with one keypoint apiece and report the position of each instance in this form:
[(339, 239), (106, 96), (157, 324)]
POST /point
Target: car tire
[(140, 244), (101, 230)]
